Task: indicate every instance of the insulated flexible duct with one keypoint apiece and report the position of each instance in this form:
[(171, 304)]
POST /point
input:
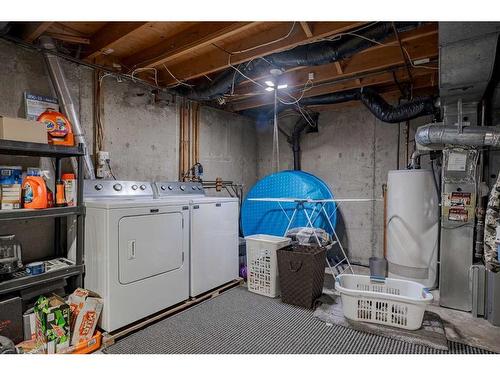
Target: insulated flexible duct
[(317, 53), (373, 101), (394, 114)]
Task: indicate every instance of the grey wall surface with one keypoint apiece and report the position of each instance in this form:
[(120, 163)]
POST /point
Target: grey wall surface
[(352, 153), (142, 138), (228, 148)]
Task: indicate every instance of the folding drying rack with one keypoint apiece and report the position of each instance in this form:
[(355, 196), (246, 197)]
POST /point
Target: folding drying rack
[(317, 210)]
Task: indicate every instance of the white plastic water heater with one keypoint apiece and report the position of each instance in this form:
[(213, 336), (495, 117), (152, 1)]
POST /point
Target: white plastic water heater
[(412, 226)]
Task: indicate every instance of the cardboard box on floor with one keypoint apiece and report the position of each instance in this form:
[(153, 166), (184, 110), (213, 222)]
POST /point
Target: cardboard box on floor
[(52, 324), (18, 129), (11, 324), (85, 306)]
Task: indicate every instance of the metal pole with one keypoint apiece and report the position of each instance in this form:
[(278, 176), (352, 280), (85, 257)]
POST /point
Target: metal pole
[(64, 95), (275, 130)]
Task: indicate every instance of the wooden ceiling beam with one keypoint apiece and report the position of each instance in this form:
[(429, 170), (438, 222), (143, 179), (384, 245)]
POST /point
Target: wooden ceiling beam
[(378, 79), (33, 30), (109, 34), (197, 36), (217, 59), (307, 29), (370, 60), (69, 38)]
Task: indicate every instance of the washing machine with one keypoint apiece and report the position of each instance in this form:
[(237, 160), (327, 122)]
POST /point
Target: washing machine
[(136, 250), (213, 235)]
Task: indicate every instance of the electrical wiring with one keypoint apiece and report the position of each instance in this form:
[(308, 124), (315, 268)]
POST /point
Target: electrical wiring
[(110, 170), (179, 82), (267, 43), (296, 100), (145, 69), (245, 76), (388, 45)]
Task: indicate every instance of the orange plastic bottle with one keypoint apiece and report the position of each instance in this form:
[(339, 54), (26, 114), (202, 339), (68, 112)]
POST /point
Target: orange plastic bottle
[(34, 191)]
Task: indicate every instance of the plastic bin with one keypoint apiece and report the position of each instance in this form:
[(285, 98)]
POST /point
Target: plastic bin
[(262, 267), (301, 273), (392, 302)]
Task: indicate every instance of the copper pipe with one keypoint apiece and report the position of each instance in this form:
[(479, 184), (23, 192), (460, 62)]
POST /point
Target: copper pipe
[(181, 139)]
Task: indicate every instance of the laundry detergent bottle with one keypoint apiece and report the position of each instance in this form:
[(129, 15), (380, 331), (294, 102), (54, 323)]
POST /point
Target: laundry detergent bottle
[(34, 189)]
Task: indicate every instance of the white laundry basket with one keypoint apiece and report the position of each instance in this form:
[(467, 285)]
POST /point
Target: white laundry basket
[(393, 302), (262, 263)]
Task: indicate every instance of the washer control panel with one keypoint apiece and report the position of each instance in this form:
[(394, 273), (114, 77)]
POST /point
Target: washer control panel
[(106, 189), (179, 188)]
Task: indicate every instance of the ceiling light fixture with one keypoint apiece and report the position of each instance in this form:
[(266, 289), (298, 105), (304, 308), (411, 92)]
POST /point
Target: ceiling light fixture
[(269, 83), (284, 86), (269, 88)]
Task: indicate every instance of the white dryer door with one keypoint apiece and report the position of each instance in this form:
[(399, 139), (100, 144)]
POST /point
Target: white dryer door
[(149, 245)]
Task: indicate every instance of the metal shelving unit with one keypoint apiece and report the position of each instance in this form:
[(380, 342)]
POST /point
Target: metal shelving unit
[(75, 271)]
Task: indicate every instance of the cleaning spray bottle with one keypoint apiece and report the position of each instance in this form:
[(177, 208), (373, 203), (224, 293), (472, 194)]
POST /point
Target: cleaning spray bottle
[(35, 189)]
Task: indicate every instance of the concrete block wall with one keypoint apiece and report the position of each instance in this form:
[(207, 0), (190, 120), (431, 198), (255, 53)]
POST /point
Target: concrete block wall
[(352, 152), (142, 138)]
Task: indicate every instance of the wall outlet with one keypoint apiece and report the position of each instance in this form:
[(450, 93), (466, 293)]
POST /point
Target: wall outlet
[(100, 172), (311, 76), (103, 158)]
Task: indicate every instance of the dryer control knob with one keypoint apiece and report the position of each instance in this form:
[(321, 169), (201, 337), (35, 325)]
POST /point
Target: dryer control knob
[(194, 187), (170, 187), (143, 187), (163, 187), (117, 187), (199, 187), (98, 187), (134, 187), (183, 187)]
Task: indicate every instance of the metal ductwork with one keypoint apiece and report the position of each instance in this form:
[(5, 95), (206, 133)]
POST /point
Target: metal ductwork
[(466, 56), (438, 135), (317, 53), (64, 96)]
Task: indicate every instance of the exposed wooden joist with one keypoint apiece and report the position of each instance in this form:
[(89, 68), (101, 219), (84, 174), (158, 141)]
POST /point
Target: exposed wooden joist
[(338, 67), (369, 61), (217, 59), (376, 79), (307, 29), (109, 34), (69, 38), (197, 36), (33, 30)]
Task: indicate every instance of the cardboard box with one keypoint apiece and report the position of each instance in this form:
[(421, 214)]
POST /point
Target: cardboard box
[(18, 129), (52, 323), (29, 325), (10, 187), (10, 197), (85, 306), (11, 321), (30, 347)]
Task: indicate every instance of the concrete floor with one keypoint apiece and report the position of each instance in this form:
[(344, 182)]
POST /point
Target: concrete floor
[(460, 326)]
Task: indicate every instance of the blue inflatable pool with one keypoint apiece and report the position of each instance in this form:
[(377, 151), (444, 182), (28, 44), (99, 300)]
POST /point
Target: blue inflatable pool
[(268, 218)]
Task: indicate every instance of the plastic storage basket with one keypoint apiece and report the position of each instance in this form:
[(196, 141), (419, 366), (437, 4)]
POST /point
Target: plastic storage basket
[(262, 264), (393, 302)]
